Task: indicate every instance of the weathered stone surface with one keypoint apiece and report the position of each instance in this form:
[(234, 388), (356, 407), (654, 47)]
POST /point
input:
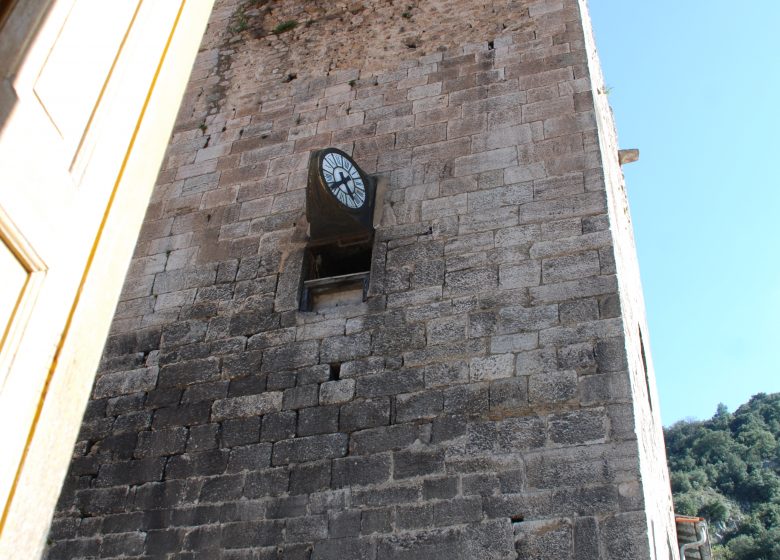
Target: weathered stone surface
[(509, 395), (242, 365), (491, 540), (318, 420), (125, 382), (387, 438), (505, 436), (202, 437), (278, 426), (359, 415), (476, 403), (469, 399), (456, 511), (309, 448), (361, 471), (205, 463), (249, 457), (419, 405), (399, 339), (634, 545), (497, 366), (518, 319), (545, 540), (266, 482), (250, 533), (390, 383), (440, 488), (519, 275), (184, 373), (253, 405), (344, 348), (578, 427), (300, 397), (337, 392), (417, 463), (290, 356), (163, 442), (552, 387), (131, 472), (335, 549)]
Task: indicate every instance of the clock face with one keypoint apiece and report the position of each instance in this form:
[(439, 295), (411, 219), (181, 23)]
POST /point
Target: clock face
[(343, 180)]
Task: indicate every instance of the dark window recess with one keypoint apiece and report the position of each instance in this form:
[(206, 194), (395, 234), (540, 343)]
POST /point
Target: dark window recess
[(644, 367), (335, 274)]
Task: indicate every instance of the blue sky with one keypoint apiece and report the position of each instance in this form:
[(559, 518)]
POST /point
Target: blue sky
[(696, 87)]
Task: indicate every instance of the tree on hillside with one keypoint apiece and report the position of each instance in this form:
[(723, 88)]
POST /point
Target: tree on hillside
[(727, 470)]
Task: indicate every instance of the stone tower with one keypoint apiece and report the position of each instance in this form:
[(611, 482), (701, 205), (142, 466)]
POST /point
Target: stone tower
[(483, 390)]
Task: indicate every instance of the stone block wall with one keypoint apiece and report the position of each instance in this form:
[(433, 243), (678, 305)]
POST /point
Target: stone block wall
[(482, 403), (652, 451)]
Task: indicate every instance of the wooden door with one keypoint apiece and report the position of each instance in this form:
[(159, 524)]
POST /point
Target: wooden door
[(87, 114)]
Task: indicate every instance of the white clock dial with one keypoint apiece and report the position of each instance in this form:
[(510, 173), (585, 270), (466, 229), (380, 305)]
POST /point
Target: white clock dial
[(343, 180)]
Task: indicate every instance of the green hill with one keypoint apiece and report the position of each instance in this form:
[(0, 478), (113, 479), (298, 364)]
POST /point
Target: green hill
[(727, 470)]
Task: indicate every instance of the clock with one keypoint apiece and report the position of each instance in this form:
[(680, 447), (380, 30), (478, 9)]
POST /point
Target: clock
[(342, 177), (339, 198)]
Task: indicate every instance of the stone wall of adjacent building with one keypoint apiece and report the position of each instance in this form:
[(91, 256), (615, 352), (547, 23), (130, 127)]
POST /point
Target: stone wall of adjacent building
[(488, 400)]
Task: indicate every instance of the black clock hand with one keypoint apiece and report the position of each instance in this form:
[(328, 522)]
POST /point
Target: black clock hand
[(344, 181), (346, 186)]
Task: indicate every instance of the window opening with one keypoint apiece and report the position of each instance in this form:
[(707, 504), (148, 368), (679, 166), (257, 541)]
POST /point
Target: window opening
[(644, 367), (335, 274)]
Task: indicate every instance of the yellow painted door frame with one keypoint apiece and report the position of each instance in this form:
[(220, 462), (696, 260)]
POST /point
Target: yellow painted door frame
[(111, 151)]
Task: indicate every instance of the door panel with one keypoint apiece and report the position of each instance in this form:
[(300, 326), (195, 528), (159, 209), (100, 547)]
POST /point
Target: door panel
[(94, 101), (80, 62), (15, 277), (61, 88), (19, 21), (23, 273)]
